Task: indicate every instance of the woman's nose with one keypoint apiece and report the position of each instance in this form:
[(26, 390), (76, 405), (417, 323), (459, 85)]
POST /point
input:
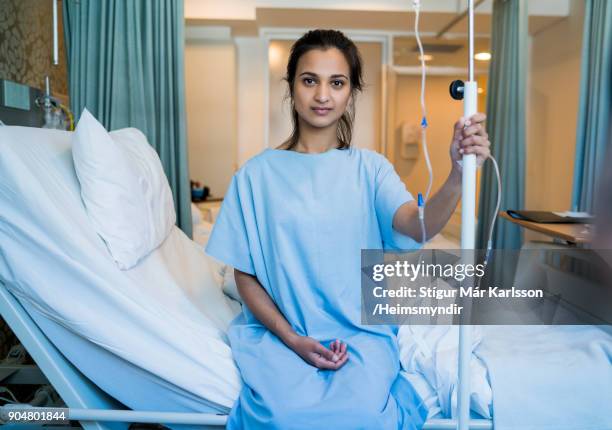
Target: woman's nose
[(322, 95)]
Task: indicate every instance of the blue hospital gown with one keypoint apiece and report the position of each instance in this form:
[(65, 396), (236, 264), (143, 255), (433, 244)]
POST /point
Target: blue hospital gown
[(298, 222)]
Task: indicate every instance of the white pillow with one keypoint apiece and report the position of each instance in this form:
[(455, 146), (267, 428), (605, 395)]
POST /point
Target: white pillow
[(124, 188)]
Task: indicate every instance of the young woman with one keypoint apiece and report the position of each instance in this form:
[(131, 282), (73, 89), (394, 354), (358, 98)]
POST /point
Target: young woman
[(292, 224)]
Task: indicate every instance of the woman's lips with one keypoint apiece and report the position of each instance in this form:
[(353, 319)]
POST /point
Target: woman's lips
[(321, 111)]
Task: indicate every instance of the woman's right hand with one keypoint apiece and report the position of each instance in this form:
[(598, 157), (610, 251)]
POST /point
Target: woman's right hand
[(315, 354)]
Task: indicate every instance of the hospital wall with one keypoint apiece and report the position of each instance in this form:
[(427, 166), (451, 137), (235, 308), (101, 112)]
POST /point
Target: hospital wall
[(210, 99), (225, 99), (251, 64)]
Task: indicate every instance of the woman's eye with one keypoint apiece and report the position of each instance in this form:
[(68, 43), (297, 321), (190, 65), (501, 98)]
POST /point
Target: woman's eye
[(309, 81), (338, 84)]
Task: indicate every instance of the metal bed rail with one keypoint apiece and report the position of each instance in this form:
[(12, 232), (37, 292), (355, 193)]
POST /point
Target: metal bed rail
[(130, 416)]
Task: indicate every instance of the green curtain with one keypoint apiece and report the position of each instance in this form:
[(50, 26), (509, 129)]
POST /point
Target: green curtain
[(125, 64), (595, 101), (505, 122)]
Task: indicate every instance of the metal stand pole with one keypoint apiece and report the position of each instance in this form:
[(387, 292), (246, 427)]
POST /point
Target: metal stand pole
[(468, 231)]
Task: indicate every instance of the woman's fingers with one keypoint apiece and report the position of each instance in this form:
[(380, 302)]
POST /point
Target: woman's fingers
[(332, 358), (320, 358), (341, 362), (473, 125), (465, 127), (470, 137), (328, 354), (322, 363), (477, 129), (458, 129), (477, 118), (341, 350), (478, 150), (477, 145), (336, 346), (474, 141)]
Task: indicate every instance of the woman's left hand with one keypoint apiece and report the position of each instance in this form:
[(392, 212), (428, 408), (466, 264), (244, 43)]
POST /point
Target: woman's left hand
[(470, 137)]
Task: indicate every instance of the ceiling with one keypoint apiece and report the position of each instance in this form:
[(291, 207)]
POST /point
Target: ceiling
[(445, 52), (381, 20), (400, 24), (359, 19)]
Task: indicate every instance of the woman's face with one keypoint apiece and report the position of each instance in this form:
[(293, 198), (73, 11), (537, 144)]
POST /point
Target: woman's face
[(321, 90)]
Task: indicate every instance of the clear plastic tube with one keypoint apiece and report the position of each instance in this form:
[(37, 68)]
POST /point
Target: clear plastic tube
[(497, 206), (417, 7)]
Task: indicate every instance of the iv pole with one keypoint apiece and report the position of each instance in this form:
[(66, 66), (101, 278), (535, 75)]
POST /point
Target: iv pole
[(47, 102), (469, 92), (55, 35)]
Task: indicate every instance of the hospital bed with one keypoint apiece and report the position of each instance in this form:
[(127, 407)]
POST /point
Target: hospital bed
[(147, 344)]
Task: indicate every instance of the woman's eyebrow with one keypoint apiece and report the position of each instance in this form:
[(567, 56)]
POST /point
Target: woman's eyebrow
[(332, 76)]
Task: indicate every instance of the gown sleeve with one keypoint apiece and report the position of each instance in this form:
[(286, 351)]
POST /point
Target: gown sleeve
[(229, 241), (390, 194)]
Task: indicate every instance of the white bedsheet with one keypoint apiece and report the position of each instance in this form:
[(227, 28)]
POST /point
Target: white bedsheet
[(431, 352), (549, 377)]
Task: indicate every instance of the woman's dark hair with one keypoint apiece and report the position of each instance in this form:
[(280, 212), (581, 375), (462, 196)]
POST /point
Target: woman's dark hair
[(325, 39)]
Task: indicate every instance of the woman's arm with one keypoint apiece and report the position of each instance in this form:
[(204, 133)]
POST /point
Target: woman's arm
[(469, 137), (261, 305), (439, 210)]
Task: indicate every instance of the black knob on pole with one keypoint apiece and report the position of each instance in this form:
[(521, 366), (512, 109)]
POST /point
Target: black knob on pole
[(457, 89)]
